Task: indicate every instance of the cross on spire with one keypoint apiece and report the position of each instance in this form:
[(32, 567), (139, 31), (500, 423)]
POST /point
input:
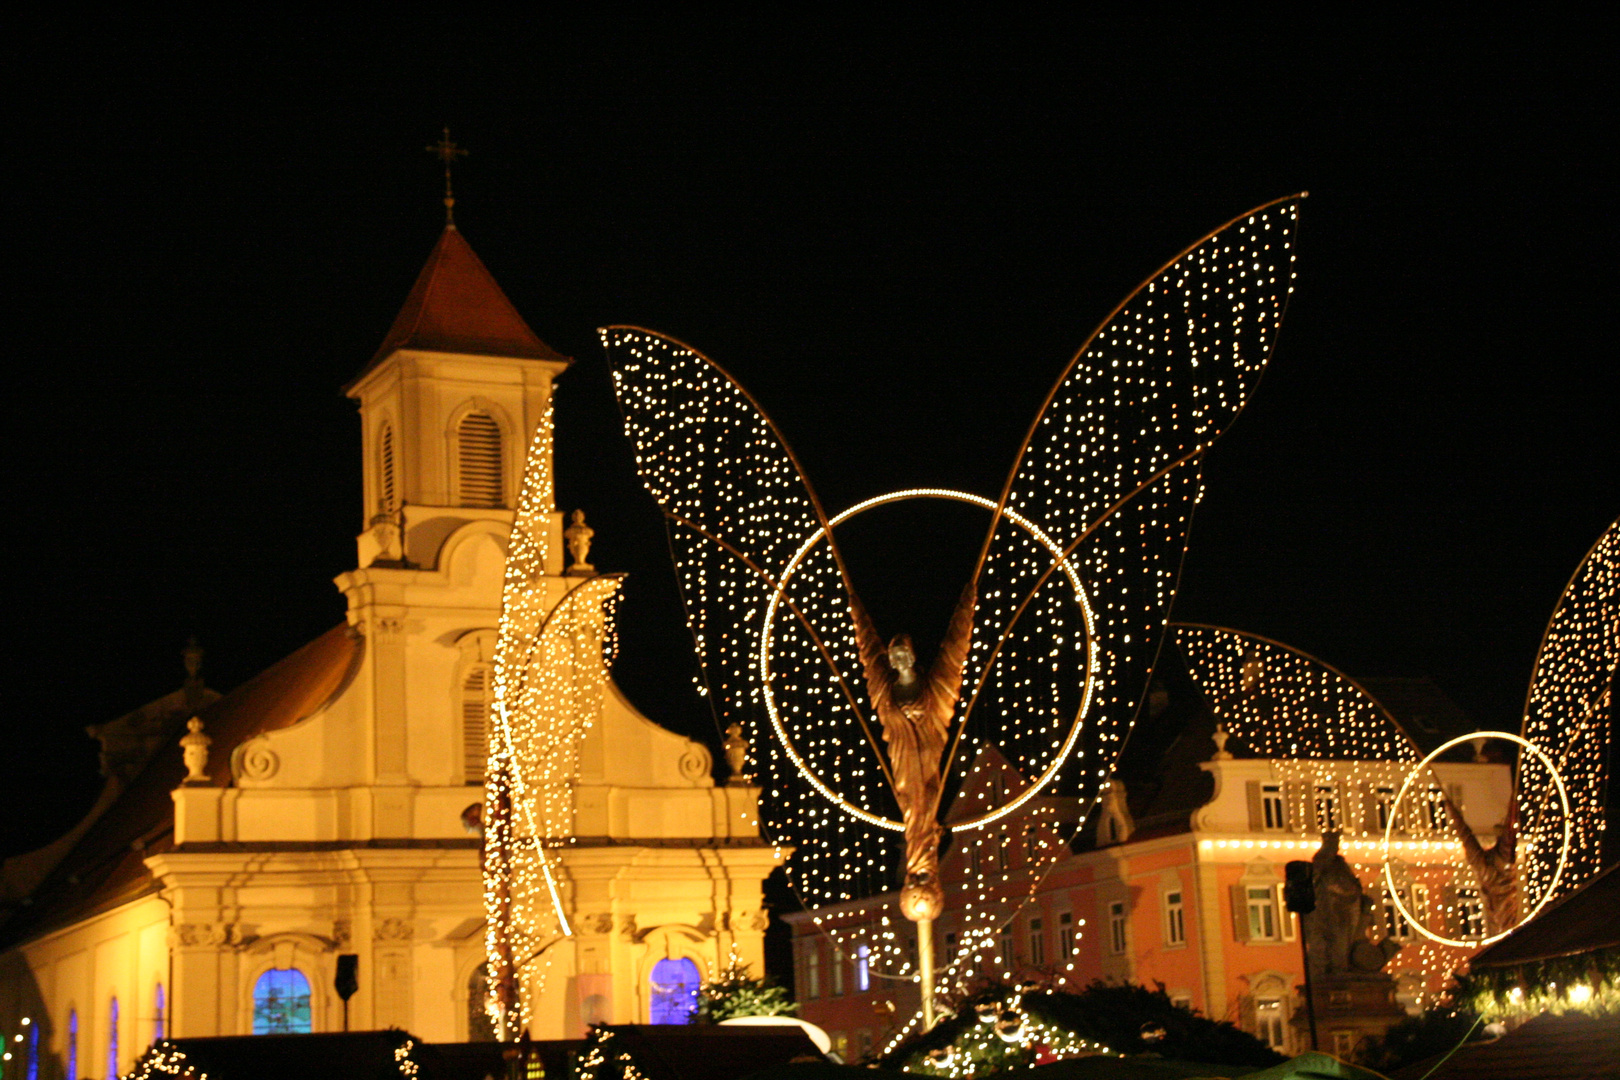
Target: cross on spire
[(447, 151)]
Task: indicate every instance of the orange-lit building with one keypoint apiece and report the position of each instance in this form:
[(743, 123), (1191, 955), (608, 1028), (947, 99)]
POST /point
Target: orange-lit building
[(1176, 879)]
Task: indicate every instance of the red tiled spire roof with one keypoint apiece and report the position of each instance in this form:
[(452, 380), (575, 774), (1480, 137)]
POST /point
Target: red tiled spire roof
[(456, 306)]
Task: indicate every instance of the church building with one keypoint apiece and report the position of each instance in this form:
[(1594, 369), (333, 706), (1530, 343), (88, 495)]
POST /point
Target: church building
[(326, 814)]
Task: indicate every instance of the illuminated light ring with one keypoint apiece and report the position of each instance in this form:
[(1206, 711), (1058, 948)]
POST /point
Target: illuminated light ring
[(1069, 572), (1563, 853)]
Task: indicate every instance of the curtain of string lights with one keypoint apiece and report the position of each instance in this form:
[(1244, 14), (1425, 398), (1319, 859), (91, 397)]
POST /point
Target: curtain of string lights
[(555, 644), (1111, 471), (1568, 713)]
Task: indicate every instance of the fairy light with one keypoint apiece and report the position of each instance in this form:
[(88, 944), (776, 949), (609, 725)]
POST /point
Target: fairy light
[(1098, 504), (554, 643)]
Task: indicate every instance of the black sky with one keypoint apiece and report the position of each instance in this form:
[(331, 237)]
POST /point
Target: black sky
[(894, 232)]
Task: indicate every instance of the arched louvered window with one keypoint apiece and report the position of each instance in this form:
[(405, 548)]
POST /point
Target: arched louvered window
[(476, 698), (387, 471), (478, 444)]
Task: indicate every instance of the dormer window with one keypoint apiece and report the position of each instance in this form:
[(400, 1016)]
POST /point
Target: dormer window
[(481, 476)]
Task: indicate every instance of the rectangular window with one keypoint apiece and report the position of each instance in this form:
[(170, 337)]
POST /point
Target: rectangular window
[(838, 973), (973, 860), (1009, 953), (863, 968), (1066, 934), (1435, 804), (1032, 843), (1037, 942), (1344, 1044), (1182, 1001), (1116, 927), (1470, 912), (1262, 913), (812, 971), (1274, 812), (1328, 818), (1175, 919), (1269, 1026), (1394, 925), (1384, 800)]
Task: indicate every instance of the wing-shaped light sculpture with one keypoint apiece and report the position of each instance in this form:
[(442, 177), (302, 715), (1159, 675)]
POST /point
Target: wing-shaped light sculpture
[(1073, 582)]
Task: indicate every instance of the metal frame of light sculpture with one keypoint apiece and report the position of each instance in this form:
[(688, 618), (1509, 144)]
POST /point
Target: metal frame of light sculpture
[(1062, 559), (1563, 854)]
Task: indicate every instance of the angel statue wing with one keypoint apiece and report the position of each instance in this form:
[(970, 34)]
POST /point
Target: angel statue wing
[(1568, 714), (1283, 703), (1084, 552), (743, 525)]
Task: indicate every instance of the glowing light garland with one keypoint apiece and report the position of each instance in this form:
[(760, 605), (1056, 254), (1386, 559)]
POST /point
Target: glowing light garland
[(552, 653), (1109, 473)]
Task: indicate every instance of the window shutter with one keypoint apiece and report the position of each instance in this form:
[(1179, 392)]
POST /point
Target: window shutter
[(475, 724), (478, 440), (1240, 913), (386, 488), (1287, 919), (1257, 819)]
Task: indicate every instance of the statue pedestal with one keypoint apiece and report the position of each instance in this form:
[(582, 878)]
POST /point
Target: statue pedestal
[(1350, 1008)]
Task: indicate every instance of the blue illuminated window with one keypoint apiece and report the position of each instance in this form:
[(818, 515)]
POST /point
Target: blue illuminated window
[(281, 1004), (73, 1045), (157, 1024), (112, 1038), (674, 991), (863, 968)]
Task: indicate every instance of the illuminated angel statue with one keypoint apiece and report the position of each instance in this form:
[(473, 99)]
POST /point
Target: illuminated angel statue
[(1048, 654)]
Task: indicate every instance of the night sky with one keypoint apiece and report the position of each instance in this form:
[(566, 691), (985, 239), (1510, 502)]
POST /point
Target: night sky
[(894, 233)]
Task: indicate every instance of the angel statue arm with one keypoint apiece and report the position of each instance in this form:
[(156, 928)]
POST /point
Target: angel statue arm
[(874, 656), (946, 674)]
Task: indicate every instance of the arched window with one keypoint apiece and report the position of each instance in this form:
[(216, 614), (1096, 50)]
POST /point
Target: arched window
[(674, 991), (476, 698), (73, 1045), (480, 1028), (159, 1030), (281, 1003), (478, 459), (112, 1038), (387, 487)]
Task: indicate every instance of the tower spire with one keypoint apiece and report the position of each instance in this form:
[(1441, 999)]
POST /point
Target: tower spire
[(447, 151)]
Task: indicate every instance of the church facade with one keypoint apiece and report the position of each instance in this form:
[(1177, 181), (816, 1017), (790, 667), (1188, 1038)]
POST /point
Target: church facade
[(335, 810)]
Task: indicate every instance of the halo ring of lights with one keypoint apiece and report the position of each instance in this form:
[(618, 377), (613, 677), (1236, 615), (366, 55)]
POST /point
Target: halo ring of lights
[(1563, 852), (1069, 571)]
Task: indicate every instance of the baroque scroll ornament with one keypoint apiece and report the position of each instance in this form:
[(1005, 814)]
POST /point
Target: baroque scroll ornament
[(1048, 654)]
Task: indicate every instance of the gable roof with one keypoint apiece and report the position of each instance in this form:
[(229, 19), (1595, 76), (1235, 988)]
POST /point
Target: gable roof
[(106, 867), (456, 306)]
